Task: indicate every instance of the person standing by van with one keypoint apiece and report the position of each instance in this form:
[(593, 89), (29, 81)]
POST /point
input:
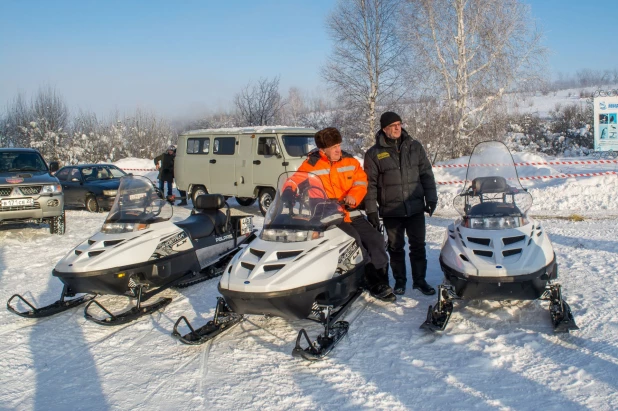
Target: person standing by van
[(402, 184), (343, 178), (166, 170)]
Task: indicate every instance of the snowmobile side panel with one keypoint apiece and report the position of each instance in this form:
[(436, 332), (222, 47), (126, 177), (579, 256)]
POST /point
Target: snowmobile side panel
[(116, 281), (295, 303)]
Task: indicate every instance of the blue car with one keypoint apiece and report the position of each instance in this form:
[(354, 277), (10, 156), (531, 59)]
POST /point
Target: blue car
[(93, 186)]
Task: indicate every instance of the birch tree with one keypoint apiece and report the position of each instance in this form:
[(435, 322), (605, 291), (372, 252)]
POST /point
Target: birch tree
[(259, 104), (363, 67), (472, 52)]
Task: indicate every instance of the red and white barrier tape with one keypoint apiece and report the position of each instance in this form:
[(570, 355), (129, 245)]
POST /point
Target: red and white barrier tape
[(540, 163), (606, 173)]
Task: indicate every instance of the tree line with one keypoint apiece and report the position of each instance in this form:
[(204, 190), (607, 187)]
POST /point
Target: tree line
[(443, 65)]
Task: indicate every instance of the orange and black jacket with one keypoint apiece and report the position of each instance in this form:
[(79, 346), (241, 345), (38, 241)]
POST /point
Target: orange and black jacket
[(340, 178)]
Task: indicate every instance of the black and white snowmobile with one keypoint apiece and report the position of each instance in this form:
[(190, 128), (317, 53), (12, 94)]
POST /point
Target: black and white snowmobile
[(495, 251), (301, 266), (139, 253)]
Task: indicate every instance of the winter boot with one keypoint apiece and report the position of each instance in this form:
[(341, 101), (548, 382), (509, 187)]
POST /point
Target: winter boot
[(377, 283), (419, 270)]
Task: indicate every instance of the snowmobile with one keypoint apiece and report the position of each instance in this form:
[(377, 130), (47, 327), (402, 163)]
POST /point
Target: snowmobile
[(495, 251), (301, 266), (139, 253)]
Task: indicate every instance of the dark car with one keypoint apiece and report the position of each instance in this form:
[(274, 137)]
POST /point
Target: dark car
[(93, 186)]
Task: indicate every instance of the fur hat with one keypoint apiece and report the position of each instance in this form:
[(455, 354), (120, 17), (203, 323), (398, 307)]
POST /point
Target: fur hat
[(388, 118), (327, 137)]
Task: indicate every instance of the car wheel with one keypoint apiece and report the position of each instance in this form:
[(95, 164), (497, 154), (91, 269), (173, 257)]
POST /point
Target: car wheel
[(245, 201), (57, 225), (197, 191), (92, 205), (266, 197)]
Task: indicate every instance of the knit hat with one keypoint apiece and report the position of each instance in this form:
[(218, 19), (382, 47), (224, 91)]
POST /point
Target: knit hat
[(327, 137), (388, 118)]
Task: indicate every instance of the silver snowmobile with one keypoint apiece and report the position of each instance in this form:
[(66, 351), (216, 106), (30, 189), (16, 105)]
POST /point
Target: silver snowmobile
[(495, 251), (301, 266), (139, 252)]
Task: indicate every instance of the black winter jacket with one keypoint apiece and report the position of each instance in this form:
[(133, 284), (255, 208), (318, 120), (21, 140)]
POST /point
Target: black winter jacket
[(166, 171), (400, 181)]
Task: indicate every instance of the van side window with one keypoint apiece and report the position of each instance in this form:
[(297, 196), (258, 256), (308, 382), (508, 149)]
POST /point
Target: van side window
[(198, 145), (224, 145), (266, 146)]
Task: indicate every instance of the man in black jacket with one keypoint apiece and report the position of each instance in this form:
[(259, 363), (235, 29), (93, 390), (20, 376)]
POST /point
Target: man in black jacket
[(166, 170), (402, 186)]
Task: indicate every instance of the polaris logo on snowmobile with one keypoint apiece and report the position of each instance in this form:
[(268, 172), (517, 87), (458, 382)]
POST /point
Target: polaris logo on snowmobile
[(347, 260), (171, 246), (224, 238)]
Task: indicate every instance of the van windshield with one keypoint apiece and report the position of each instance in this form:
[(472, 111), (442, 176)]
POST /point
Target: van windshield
[(298, 145)]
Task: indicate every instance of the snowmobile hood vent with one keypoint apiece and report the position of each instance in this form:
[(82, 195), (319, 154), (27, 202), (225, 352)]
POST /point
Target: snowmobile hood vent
[(110, 243), (273, 267), (482, 241), (484, 253), (287, 254), (248, 266), (514, 251), (512, 240), (257, 253), (95, 253)]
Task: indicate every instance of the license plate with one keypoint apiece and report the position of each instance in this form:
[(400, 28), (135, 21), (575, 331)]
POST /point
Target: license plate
[(17, 202), (246, 225)]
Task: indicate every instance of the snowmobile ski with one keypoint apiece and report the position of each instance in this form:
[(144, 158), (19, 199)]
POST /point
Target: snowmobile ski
[(131, 314), (51, 309), (223, 320), (439, 315), (560, 312), (334, 331)]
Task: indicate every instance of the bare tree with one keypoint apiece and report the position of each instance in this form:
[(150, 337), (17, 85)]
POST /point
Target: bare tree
[(295, 107), (364, 66), (472, 52), (259, 104)]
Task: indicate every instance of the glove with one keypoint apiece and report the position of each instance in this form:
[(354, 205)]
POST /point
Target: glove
[(374, 220), (288, 197), (431, 207)]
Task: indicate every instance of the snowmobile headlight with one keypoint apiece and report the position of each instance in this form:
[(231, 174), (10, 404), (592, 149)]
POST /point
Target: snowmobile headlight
[(110, 193), (117, 228), (289, 236), (493, 223), (51, 188)]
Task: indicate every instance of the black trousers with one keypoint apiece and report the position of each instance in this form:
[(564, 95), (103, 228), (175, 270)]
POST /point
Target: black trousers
[(396, 229), (369, 239)]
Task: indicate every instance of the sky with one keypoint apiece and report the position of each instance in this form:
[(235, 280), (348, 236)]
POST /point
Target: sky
[(179, 58)]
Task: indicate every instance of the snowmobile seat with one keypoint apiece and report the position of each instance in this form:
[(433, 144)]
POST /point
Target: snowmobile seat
[(494, 209), (486, 185), (208, 217)]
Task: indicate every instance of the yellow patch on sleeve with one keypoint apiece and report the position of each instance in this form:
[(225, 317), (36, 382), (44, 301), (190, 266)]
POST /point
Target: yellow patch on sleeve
[(383, 155)]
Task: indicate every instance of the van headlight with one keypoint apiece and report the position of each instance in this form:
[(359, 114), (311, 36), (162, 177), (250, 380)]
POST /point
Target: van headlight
[(494, 223), (51, 189), (289, 236), (118, 228)]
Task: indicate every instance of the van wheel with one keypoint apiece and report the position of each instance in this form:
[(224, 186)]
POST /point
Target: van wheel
[(91, 204), (266, 197), (245, 201), (197, 191)]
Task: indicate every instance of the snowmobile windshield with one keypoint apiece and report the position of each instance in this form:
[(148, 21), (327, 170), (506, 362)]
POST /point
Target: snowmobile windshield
[(492, 193), (138, 202), (301, 204)]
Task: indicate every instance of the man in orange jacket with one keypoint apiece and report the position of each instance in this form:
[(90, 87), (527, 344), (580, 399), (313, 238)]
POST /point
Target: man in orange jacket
[(344, 179)]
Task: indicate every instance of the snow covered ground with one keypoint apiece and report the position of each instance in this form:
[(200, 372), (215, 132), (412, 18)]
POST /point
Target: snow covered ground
[(492, 355)]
